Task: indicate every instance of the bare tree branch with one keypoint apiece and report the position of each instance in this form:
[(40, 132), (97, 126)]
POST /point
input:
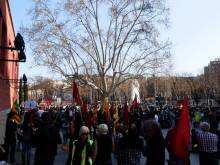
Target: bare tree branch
[(112, 41)]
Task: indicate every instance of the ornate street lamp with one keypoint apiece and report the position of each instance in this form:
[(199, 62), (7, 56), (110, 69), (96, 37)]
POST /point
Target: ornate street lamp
[(19, 46), (25, 87)]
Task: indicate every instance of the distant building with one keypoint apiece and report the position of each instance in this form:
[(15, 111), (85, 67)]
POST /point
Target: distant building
[(213, 68), (212, 75), (212, 78), (8, 70)]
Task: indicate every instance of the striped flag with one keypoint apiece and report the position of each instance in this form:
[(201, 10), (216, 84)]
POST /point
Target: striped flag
[(106, 108), (16, 110), (115, 117)]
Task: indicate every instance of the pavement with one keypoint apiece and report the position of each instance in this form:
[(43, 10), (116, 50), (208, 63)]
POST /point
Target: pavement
[(62, 157)]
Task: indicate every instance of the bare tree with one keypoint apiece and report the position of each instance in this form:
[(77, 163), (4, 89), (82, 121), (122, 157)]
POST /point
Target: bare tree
[(179, 87), (196, 90), (112, 40), (44, 87)]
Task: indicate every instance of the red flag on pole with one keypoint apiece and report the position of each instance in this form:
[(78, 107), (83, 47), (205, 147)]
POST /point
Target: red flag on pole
[(134, 104), (125, 112), (76, 95), (85, 114), (48, 101), (181, 134)]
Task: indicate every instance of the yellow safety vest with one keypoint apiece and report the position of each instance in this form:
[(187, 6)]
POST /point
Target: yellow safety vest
[(83, 160), (197, 117)]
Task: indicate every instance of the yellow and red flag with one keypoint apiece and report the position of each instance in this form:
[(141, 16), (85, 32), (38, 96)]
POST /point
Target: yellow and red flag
[(16, 110), (106, 108), (115, 117)]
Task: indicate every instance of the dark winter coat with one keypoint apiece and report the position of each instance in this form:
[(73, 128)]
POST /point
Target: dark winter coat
[(46, 146)]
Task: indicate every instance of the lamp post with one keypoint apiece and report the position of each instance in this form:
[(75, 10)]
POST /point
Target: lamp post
[(25, 87), (19, 46), (20, 94)]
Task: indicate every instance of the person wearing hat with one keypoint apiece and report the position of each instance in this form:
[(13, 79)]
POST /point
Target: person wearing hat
[(103, 146), (82, 149), (207, 145)]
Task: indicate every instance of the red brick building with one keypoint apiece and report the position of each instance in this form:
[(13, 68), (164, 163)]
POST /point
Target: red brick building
[(8, 70)]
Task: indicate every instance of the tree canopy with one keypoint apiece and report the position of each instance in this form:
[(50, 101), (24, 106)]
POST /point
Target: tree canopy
[(102, 43)]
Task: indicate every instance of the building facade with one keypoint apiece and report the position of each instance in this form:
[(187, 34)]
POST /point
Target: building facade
[(8, 70), (213, 68), (212, 78)]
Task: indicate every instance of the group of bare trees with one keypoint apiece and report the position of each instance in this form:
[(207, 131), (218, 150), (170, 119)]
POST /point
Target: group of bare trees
[(169, 88), (41, 88), (198, 88)]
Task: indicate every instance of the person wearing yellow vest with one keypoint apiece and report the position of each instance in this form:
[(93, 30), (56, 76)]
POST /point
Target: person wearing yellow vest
[(197, 119), (83, 149)]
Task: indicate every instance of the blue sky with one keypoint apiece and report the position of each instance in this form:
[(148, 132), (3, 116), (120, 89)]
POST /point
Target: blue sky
[(194, 32)]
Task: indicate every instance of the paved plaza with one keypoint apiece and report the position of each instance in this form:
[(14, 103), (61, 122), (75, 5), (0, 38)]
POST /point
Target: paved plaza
[(62, 156)]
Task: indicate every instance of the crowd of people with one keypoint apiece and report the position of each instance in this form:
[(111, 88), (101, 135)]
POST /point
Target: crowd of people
[(91, 137)]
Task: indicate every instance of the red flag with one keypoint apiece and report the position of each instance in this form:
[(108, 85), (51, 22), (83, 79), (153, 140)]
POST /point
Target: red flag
[(76, 95), (48, 101), (134, 104), (125, 112), (85, 114), (181, 134), (95, 108)]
